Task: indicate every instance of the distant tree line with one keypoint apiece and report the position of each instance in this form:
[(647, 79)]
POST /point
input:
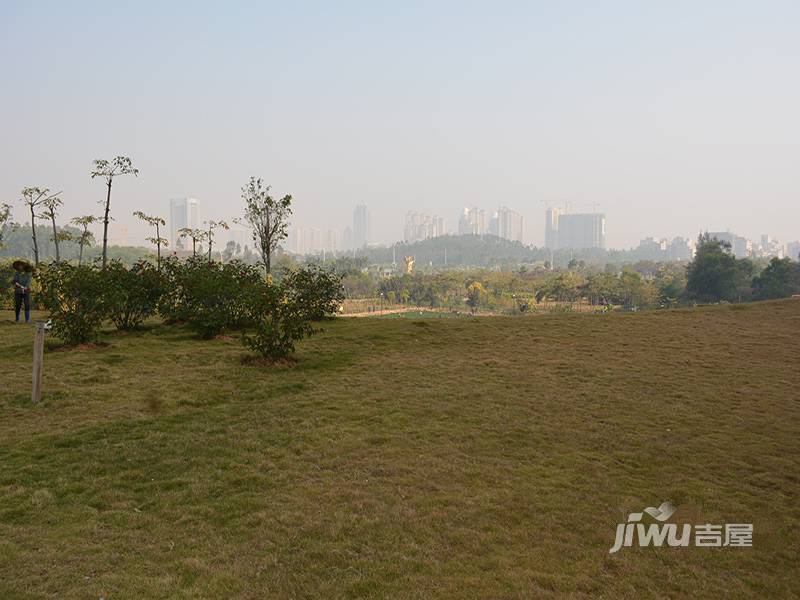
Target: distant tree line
[(490, 251), (714, 275)]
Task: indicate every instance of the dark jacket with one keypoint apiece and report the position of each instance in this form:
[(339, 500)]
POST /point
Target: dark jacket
[(23, 279)]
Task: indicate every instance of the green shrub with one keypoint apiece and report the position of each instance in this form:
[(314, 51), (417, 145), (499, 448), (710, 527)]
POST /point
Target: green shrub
[(6, 285), (279, 314), (314, 291), (780, 279), (206, 295), (73, 298), (131, 295)]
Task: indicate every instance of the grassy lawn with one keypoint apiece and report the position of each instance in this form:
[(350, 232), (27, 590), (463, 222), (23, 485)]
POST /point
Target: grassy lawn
[(423, 314), (406, 458)]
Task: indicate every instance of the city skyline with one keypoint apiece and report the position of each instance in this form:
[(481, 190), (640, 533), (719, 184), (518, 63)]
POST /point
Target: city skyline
[(305, 239), (335, 238), (583, 231)]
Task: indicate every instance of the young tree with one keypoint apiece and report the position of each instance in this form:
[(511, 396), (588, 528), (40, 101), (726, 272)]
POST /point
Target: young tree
[(86, 237), (108, 170), (50, 206), (195, 235), (33, 197), (5, 220), (156, 222), (267, 217), (671, 284), (63, 236), (476, 294), (631, 287), (212, 225)]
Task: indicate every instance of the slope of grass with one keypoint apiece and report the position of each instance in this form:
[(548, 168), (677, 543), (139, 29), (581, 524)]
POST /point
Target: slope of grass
[(458, 458)]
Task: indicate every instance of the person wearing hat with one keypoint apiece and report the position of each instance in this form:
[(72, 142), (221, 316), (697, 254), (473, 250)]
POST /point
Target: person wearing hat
[(22, 288)]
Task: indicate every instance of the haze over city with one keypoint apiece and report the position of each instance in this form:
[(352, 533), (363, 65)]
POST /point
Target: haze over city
[(668, 119)]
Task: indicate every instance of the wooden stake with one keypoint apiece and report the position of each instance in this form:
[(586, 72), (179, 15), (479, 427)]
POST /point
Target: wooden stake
[(38, 352)]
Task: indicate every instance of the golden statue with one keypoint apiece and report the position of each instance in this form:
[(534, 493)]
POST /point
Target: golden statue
[(409, 264)]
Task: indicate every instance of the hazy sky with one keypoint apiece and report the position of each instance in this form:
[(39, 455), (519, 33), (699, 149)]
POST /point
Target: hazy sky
[(671, 116)]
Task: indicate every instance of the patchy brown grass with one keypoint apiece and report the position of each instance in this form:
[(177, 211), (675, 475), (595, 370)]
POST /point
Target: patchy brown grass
[(263, 361), (79, 347), (453, 458)]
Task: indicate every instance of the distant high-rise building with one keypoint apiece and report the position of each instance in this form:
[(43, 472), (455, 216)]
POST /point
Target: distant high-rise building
[(551, 228), (310, 240), (652, 249), (769, 248), (472, 221), (332, 241), (182, 214), (361, 226), (741, 247), (347, 238), (294, 241), (793, 250), (507, 224), (578, 231), (419, 226), (680, 249), (237, 234), (303, 240)]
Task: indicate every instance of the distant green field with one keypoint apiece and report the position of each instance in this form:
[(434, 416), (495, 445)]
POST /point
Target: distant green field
[(406, 458)]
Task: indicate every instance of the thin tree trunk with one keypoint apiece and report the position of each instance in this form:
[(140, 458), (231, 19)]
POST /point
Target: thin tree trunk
[(265, 246), (55, 235), (80, 254), (105, 225), (158, 247), (33, 234)]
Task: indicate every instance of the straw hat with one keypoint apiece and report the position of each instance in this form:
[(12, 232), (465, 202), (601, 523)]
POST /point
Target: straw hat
[(24, 264)]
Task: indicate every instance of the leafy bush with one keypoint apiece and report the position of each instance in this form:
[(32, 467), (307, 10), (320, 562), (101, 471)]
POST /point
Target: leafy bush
[(131, 295), (314, 291), (206, 295), (74, 299), (780, 279), (281, 313), (6, 285)]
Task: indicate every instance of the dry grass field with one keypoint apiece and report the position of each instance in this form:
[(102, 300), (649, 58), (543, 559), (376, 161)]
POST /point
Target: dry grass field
[(402, 458)]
